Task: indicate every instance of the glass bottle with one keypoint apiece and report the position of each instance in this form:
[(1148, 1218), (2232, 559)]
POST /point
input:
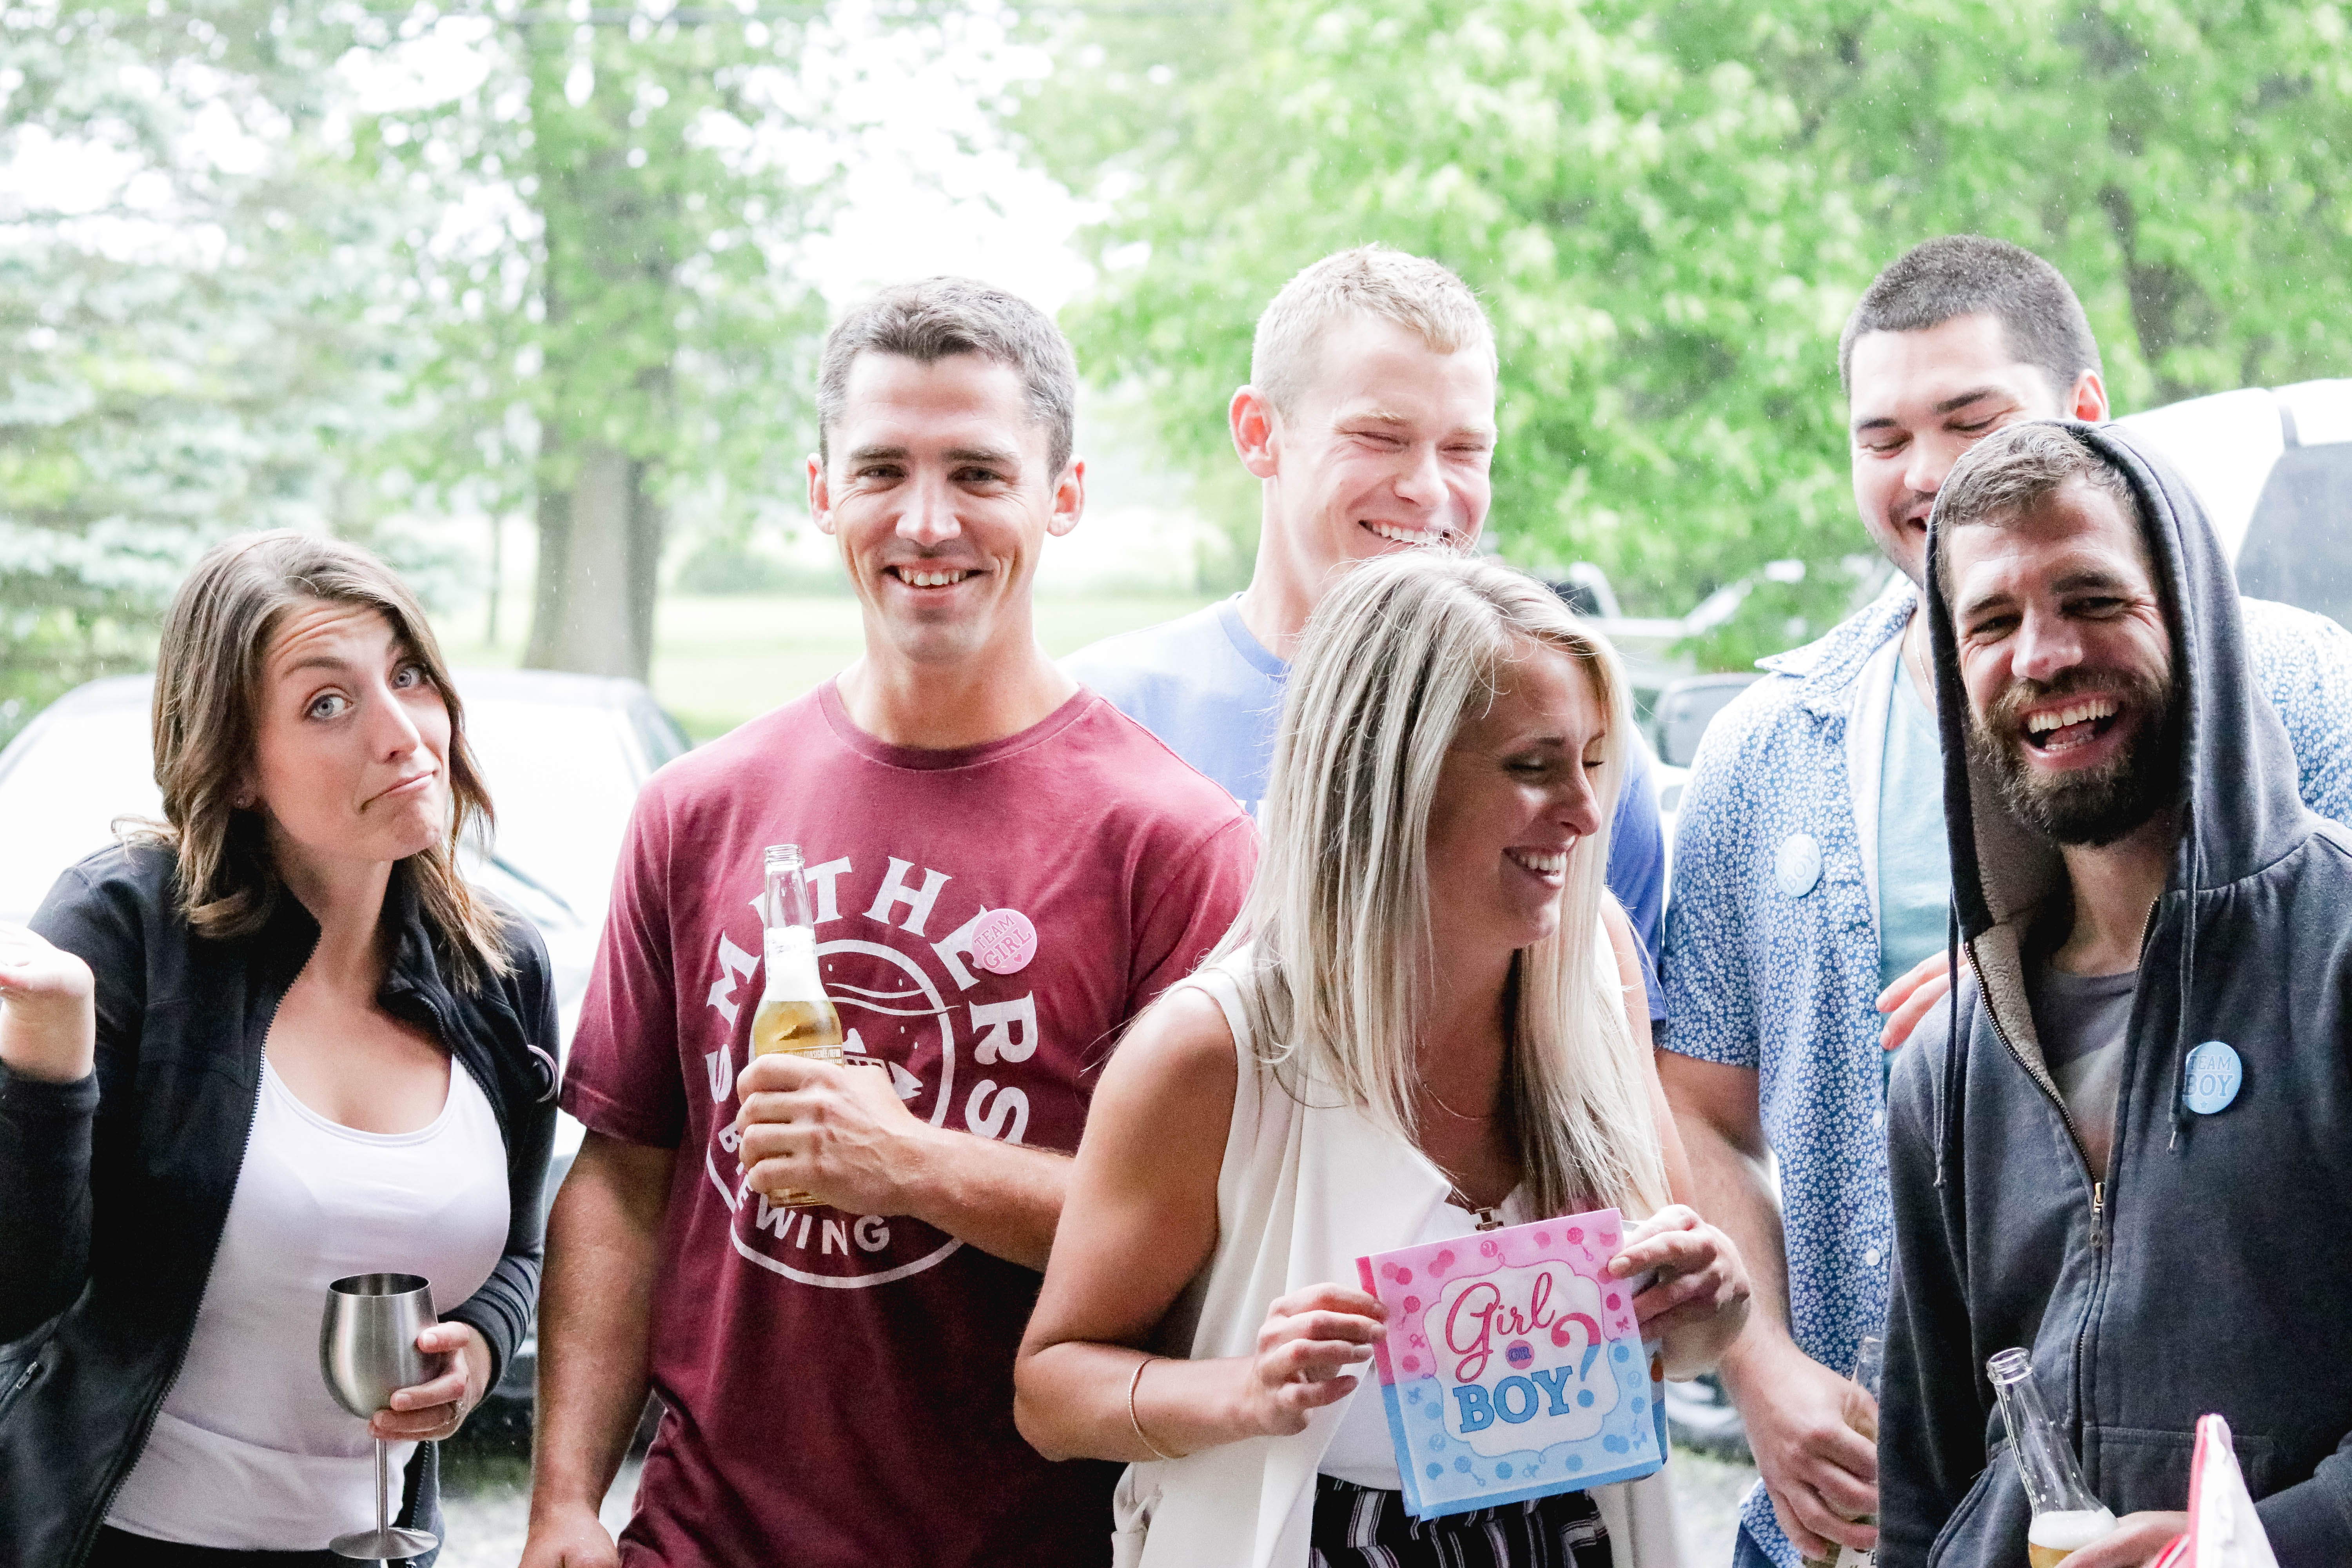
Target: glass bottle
[(2067, 1516), (1869, 1371), (795, 1015)]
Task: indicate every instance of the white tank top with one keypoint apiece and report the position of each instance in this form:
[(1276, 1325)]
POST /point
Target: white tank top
[(250, 1451), (1308, 1185)]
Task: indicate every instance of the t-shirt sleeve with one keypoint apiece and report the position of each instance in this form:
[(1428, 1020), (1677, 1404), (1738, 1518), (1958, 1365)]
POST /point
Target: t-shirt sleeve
[(1187, 908), (1710, 993), (623, 1079), (1637, 868)]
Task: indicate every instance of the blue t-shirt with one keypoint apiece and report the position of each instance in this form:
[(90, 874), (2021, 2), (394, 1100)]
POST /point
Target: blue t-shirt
[(1206, 686)]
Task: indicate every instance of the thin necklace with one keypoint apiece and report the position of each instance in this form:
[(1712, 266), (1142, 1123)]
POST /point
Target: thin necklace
[(1488, 1217), (1459, 1115)]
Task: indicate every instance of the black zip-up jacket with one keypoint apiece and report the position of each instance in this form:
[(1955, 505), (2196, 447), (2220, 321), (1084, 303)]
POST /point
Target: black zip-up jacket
[(2203, 1268), (114, 1189)]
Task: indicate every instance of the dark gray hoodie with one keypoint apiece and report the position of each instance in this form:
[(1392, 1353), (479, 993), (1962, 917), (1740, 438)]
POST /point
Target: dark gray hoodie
[(2209, 1266)]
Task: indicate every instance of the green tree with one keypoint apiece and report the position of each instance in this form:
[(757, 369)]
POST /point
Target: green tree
[(627, 335), (1670, 210), (193, 346)]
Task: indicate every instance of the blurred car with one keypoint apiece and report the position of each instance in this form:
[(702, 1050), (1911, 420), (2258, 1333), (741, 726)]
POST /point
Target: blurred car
[(2273, 467), (563, 755)]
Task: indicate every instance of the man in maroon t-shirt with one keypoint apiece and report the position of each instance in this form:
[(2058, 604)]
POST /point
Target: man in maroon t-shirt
[(839, 1378)]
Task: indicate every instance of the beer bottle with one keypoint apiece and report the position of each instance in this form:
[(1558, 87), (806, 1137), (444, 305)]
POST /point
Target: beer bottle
[(1869, 1371), (2067, 1516), (794, 1013)]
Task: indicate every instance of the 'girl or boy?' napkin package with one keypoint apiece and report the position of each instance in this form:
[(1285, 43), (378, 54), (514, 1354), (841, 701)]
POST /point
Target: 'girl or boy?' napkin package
[(1513, 1367)]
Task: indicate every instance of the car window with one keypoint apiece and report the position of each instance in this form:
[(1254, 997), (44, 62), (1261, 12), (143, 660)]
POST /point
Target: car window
[(2298, 547), (563, 782), (77, 773), (657, 732)]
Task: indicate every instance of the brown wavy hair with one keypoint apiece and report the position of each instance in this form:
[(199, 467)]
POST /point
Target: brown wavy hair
[(208, 677)]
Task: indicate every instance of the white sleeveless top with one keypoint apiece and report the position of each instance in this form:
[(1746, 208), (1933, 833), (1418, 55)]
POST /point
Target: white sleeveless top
[(250, 1451), (1361, 1450), (1309, 1185)]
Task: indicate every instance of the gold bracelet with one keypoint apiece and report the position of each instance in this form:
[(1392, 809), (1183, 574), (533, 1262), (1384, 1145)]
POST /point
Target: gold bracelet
[(1132, 1419)]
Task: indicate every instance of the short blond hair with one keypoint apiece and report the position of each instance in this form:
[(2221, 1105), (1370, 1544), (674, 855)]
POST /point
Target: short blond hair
[(1412, 292)]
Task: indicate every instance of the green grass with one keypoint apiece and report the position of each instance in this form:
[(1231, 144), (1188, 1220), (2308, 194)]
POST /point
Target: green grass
[(721, 659)]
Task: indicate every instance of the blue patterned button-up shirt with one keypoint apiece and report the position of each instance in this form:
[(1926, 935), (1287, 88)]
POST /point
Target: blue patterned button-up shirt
[(1771, 958)]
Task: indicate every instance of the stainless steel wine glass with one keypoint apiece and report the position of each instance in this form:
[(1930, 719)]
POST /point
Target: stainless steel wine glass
[(367, 1349)]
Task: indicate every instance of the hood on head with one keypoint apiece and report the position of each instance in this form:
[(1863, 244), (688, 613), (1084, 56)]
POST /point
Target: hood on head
[(2236, 799)]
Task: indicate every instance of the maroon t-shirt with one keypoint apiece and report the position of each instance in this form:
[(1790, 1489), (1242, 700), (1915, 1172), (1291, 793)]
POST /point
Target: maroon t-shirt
[(840, 1386)]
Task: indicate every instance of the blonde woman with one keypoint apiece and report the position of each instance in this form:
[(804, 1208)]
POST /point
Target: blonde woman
[(1418, 1022)]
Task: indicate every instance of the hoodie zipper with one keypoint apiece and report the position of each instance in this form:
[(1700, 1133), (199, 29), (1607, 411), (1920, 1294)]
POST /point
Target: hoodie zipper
[(2073, 1130), (2098, 1185), (179, 1359)]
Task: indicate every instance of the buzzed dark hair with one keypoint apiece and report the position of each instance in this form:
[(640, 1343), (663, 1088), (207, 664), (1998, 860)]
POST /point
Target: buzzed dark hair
[(928, 320), (1969, 275)]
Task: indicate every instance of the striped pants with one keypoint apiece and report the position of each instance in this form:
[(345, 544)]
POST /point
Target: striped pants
[(1358, 1527)]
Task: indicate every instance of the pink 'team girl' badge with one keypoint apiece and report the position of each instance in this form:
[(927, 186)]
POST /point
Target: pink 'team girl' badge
[(1003, 942), (1513, 1367)]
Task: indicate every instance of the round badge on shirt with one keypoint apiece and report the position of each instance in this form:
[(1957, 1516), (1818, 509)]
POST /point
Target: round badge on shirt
[(1004, 942), (1799, 866), (2212, 1077)]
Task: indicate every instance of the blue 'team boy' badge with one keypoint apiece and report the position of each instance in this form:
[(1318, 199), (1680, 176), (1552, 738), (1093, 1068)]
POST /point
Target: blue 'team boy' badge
[(2212, 1077)]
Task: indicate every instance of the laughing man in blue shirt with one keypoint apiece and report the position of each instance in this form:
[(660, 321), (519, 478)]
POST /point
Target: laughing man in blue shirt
[(1369, 420)]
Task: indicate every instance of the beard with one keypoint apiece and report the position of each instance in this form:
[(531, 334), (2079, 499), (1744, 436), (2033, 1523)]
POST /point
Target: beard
[(2084, 806)]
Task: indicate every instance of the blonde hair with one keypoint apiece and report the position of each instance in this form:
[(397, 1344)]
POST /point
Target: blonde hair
[(1415, 293), (208, 679), (1336, 980)]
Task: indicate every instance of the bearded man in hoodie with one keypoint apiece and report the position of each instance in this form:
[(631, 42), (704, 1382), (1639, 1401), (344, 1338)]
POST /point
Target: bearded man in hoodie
[(2122, 1141)]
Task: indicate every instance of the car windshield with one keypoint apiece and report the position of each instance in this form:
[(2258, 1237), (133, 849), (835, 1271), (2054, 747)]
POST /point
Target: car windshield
[(560, 774)]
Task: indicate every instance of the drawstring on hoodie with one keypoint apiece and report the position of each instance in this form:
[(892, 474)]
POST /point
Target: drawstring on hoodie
[(1944, 1095), (2193, 857)]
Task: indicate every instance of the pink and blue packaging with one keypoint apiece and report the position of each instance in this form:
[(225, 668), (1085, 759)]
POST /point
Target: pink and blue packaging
[(1513, 1367)]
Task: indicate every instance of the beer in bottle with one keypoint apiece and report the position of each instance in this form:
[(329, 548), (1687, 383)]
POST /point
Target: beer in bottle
[(794, 1013), (2067, 1516)]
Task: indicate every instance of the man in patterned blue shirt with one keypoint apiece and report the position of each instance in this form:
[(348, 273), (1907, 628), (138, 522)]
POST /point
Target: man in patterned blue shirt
[(1812, 873)]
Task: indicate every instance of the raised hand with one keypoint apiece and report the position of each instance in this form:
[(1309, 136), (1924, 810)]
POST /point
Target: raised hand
[(839, 1131), (49, 1025)]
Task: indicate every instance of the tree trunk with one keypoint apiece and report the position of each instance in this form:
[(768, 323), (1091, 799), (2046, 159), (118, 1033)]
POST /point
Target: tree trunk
[(599, 547)]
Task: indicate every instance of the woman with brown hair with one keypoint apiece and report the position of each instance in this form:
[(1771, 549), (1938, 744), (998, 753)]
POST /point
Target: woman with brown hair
[(271, 1041)]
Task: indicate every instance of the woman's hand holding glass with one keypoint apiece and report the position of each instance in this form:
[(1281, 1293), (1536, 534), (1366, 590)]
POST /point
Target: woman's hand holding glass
[(1699, 1301), (434, 1409), (48, 1027), (1310, 1343)]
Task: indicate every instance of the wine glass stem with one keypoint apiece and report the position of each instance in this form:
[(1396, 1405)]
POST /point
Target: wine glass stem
[(382, 1486)]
